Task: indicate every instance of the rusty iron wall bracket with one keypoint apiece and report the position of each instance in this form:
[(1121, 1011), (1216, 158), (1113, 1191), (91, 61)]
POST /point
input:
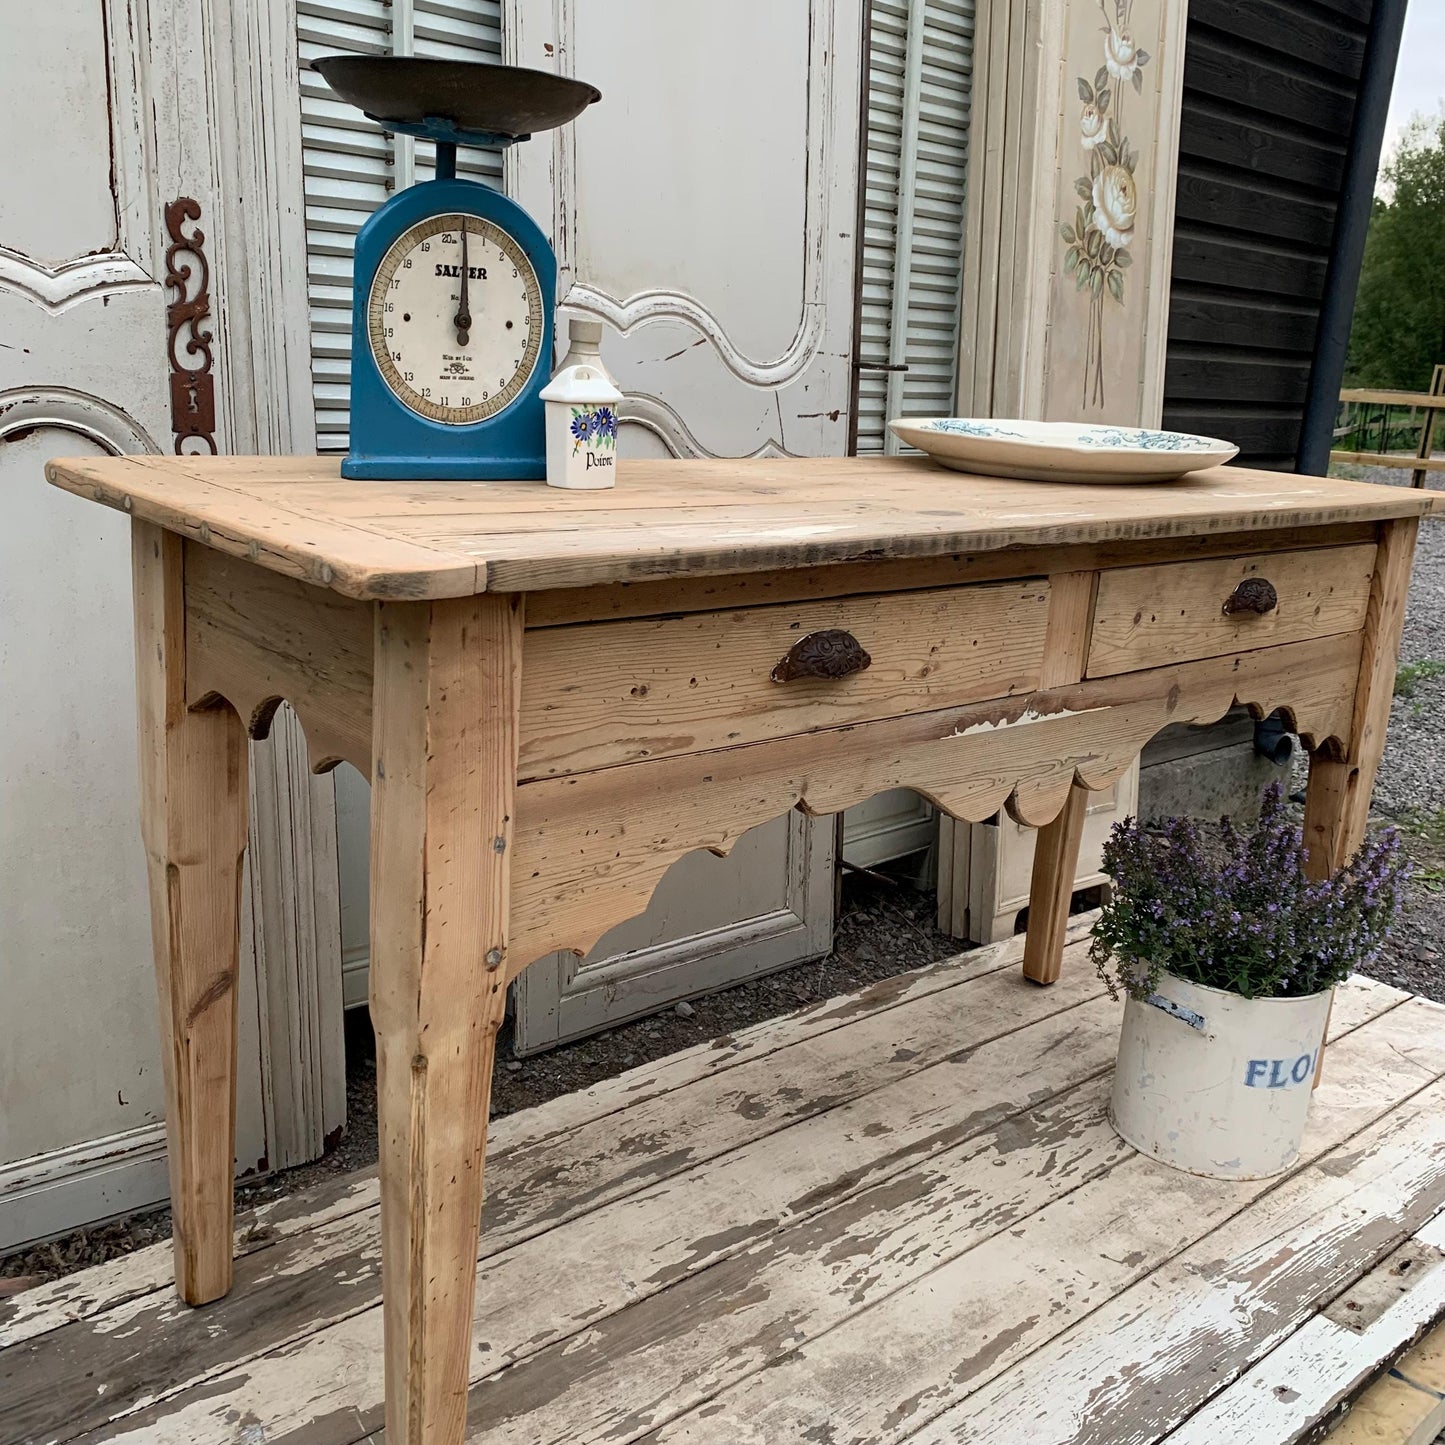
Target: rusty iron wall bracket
[(193, 388)]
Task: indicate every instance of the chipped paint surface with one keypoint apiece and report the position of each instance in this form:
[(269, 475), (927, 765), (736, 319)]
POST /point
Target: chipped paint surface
[(879, 1218), (1022, 719)]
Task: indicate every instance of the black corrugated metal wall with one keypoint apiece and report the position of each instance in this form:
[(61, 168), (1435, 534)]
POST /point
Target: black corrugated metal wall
[(1269, 96)]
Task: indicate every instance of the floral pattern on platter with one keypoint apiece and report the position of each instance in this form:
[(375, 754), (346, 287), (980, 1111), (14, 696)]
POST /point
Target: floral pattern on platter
[(1140, 438), (593, 426), (968, 427), (1097, 241)]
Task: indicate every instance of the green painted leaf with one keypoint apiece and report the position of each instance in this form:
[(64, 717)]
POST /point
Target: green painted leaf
[(1103, 102), (1101, 78), (1138, 79), (1106, 254), (1142, 56), (1123, 258), (1082, 187), (1116, 285), (1096, 282), (1109, 154), (1067, 232), (1092, 243), (1114, 137), (1071, 260), (1086, 91)]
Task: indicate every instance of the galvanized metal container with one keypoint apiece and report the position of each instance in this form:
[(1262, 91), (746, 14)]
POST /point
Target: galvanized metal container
[(1214, 1083)]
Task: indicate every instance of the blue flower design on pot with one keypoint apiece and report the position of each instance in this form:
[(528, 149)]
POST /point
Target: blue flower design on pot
[(1154, 441), (595, 427)]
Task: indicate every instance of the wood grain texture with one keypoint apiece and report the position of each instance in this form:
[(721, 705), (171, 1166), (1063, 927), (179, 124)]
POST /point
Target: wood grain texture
[(444, 772), (1150, 616), (1337, 800), (606, 693), (591, 847), (193, 821), (1056, 862), (668, 519), (613, 601), (256, 637), (1071, 619)]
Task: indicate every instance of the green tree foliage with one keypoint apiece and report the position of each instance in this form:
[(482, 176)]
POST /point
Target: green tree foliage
[(1399, 328)]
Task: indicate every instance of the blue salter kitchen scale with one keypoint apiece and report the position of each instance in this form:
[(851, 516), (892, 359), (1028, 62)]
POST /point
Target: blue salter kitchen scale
[(454, 284)]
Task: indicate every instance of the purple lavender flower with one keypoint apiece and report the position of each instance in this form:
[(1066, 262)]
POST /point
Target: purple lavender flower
[(1236, 909)]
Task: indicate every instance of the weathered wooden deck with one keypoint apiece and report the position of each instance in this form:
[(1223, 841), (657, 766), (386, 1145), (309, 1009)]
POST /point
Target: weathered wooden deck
[(897, 1216)]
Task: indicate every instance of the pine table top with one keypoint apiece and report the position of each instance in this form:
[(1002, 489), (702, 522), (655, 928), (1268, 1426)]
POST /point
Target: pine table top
[(670, 519)]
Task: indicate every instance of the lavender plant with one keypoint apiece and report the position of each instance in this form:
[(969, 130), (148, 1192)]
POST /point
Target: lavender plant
[(1233, 909)]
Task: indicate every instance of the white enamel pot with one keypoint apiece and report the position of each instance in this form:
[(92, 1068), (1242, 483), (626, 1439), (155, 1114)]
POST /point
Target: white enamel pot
[(1214, 1083)]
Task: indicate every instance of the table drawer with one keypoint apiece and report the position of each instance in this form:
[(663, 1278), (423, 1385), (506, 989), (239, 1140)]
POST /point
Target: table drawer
[(1178, 612), (597, 694)]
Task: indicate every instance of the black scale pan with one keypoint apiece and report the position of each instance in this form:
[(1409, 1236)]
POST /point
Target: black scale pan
[(466, 101)]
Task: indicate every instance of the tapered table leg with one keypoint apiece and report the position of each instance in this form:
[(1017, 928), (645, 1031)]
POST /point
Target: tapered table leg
[(1056, 865), (193, 816), (447, 692), (1337, 799)]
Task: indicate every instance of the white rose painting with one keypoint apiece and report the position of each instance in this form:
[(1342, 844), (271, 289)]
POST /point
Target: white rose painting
[(1098, 240)]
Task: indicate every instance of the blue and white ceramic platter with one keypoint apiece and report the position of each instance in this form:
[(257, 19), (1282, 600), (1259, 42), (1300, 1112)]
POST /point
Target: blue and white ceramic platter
[(1057, 451)]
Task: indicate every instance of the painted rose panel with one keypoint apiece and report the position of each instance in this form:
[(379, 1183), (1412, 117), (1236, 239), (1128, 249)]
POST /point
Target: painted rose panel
[(1109, 122)]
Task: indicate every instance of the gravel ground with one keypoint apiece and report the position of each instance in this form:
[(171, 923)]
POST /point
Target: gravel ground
[(885, 926), (1410, 790)]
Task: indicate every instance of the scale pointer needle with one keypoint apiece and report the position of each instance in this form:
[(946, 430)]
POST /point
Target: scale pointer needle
[(463, 318)]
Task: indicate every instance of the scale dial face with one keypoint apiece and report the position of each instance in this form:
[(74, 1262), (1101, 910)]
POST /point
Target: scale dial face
[(455, 319)]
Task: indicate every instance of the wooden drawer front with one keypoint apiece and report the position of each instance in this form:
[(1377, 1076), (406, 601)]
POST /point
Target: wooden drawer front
[(1175, 612), (603, 693)]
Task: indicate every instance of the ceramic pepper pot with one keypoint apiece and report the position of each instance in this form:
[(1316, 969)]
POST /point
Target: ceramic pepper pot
[(581, 403)]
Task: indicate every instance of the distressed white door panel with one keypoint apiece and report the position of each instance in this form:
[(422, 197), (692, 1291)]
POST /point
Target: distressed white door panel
[(56, 202), (671, 190), (676, 364), (712, 922), (706, 205), (107, 114), (888, 826)]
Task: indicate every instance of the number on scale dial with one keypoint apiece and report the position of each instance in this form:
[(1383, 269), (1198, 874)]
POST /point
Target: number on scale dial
[(455, 319)]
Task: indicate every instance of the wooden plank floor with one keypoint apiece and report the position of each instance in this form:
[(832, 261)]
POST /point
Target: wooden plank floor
[(898, 1216)]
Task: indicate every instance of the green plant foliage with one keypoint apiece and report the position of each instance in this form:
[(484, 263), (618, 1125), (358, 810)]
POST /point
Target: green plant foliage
[(1412, 674), (1398, 333)]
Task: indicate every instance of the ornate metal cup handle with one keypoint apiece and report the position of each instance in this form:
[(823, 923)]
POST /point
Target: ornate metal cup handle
[(1255, 595), (830, 653)]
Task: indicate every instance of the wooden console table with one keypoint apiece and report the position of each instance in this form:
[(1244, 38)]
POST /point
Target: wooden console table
[(556, 695)]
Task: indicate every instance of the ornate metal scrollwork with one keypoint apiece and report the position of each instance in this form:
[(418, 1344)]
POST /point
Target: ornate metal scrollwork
[(830, 653), (193, 388), (1255, 595)]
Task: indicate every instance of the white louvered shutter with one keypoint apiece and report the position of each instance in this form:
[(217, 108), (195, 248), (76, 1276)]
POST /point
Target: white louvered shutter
[(919, 87), (351, 165)]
